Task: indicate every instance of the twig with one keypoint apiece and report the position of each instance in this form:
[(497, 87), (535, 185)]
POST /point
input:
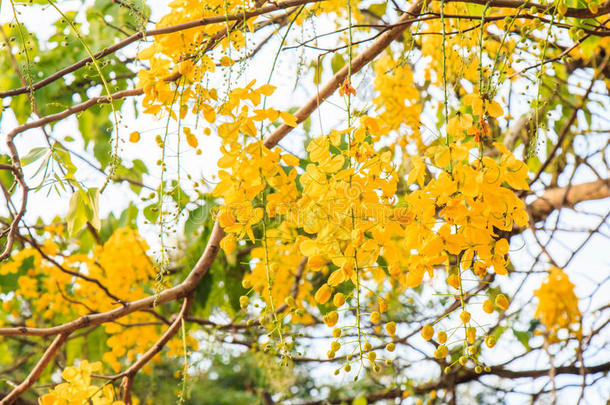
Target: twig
[(36, 371)]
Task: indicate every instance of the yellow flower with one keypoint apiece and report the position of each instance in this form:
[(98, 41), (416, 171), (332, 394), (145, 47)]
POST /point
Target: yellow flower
[(502, 302), (331, 319), (427, 332), (339, 300), (375, 317), (490, 341), (471, 334), (323, 294), (557, 303), (488, 306), (190, 138), (134, 137), (390, 327)]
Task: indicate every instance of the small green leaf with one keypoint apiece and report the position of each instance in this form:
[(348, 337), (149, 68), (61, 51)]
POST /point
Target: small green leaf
[(196, 219), (129, 216), (337, 62), (317, 73), (6, 176), (151, 213), (93, 204), (523, 338), (33, 155), (77, 213), (62, 156), (83, 208), (379, 9), (533, 164)]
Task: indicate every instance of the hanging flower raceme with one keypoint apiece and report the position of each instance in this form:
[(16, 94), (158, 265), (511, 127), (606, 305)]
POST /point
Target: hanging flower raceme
[(557, 304)]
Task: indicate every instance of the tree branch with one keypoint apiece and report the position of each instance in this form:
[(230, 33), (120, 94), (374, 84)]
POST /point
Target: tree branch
[(36, 371), (568, 196), (357, 64)]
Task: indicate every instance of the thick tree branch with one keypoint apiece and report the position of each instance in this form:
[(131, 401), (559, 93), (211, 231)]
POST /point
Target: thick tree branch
[(129, 374), (542, 8), (357, 64), (568, 196), (468, 376), (36, 371)]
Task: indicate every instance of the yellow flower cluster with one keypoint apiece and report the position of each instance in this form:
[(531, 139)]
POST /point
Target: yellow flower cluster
[(557, 304), (398, 98), (121, 265), (78, 389), (341, 211), (284, 261), (462, 52), (183, 53), (252, 166)]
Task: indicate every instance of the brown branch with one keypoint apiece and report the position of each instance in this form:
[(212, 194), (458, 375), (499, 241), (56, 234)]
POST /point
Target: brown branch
[(465, 377), (32, 242), (357, 64), (36, 371), (542, 8), (180, 291), (13, 227), (129, 374), (73, 110), (568, 196)]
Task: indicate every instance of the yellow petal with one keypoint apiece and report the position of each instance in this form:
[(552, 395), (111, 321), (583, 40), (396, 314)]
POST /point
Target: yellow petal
[(288, 119), (291, 160), (266, 89), (477, 106), (494, 109), (323, 294), (308, 248)]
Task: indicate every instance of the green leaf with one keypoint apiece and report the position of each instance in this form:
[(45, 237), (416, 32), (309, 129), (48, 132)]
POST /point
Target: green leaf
[(151, 213), (589, 46), (317, 70), (196, 219), (6, 176), (129, 216), (523, 338), (233, 277), (179, 195), (93, 195), (533, 164), (497, 332), (62, 156), (83, 208), (109, 225), (379, 9), (33, 155), (475, 9), (337, 62), (135, 173), (77, 213), (6, 355)]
